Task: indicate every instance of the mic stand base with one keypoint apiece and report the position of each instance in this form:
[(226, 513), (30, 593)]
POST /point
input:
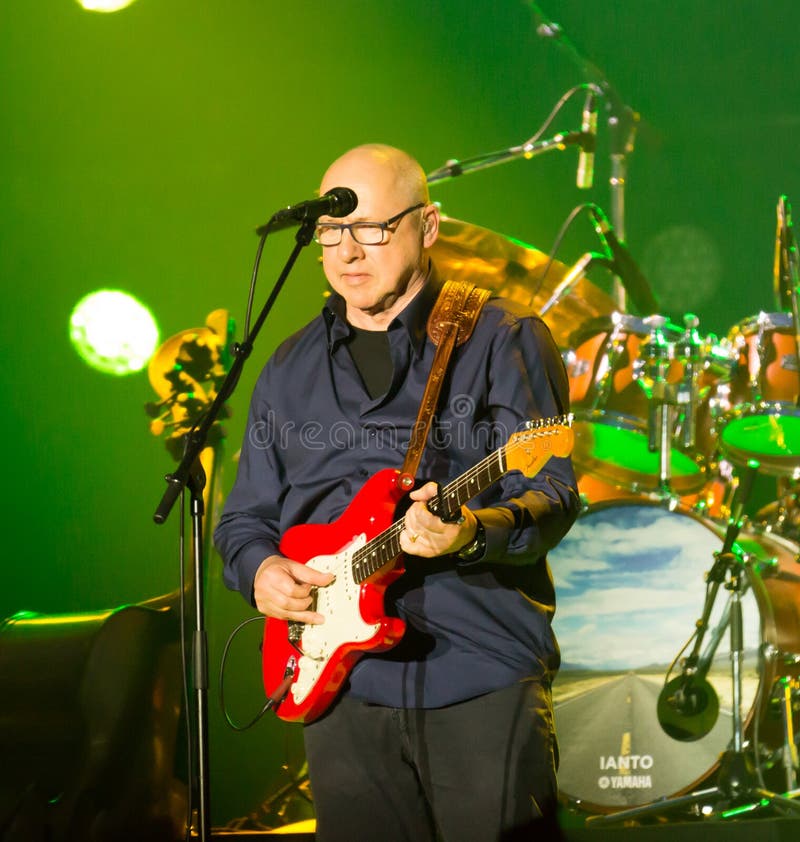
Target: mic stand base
[(737, 792)]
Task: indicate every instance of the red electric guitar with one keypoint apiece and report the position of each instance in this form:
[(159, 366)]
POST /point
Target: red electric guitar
[(362, 548)]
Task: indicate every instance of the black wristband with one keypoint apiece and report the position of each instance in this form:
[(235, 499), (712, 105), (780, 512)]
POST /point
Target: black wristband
[(476, 547)]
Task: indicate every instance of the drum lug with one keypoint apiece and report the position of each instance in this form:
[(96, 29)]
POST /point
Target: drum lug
[(772, 653)]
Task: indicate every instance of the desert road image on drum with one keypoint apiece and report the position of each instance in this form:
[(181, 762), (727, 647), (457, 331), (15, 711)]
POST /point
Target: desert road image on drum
[(631, 583)]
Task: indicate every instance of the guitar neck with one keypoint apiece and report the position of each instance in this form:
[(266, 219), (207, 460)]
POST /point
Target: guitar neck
[(471, 483), (385, 547)]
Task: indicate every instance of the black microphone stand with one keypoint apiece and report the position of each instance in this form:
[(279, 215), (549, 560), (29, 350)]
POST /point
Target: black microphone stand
[(191, 474), (622, 122), (527, 150), (737, 781)]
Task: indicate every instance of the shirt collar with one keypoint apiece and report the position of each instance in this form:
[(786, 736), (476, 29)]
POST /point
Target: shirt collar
[(413, 319)]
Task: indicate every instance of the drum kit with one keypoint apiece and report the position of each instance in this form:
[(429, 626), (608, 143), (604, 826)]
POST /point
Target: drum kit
[(667, 421)]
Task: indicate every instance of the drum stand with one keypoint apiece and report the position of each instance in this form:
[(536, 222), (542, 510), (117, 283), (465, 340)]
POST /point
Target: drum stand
[(738, 788), (661, 400), (665, 398), (789, 689)]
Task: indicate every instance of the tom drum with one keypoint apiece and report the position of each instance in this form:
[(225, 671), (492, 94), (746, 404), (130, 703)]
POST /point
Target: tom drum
[(763, 421), (608, 396)]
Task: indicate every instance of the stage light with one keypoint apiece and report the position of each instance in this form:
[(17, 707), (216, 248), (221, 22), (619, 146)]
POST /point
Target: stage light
[(104, 5), (113, 332)]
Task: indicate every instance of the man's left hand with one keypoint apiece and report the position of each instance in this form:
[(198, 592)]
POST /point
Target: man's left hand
[(424, 534)]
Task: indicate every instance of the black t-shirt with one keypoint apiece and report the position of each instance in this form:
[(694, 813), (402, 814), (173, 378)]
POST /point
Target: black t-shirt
[(370, 352)]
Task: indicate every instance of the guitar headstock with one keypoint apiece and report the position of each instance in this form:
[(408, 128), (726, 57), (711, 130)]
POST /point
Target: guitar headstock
[(529, 449)]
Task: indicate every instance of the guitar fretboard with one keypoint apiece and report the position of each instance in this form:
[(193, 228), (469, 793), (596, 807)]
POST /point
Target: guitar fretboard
[(385, 547)]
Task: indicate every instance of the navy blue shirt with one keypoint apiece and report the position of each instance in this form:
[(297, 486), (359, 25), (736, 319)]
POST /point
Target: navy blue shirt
[(314, 436)]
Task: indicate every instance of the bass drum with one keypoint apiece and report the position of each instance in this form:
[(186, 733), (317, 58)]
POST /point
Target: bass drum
[(630, 579)]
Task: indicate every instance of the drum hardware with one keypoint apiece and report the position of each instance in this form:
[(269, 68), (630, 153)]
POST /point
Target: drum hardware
[(714, 501), (688, 705), (614, 349), (643, 392), (690, 348), (282, 808), (786, 697), (662, 398), (666, 395), (782, 516), (691, 695), (615, 366)]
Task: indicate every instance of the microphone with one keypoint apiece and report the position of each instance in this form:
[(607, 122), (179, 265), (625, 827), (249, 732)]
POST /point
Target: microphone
[(575, 273), (339, 201), (631, 276), (585, 176), (741, 497), (687, 708)]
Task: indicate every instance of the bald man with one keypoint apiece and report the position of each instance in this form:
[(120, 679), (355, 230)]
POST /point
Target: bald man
[(449, 734)]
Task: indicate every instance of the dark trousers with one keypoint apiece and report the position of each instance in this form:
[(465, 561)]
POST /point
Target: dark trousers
[(481, 770)]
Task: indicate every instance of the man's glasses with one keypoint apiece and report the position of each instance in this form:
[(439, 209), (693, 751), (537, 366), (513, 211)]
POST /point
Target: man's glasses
[(365, 233)]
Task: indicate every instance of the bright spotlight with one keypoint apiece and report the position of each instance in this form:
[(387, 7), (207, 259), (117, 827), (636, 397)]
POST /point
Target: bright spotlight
[(104, 5), (113, 332)]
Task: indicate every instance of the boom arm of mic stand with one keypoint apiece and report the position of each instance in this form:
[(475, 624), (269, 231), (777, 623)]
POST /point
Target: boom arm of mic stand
[(716, 575), (622, 117), (527, 150), (622, 121), (741, 497)]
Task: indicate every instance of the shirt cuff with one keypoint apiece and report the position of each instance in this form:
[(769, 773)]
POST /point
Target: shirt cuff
[(496, 530), (247, 563)]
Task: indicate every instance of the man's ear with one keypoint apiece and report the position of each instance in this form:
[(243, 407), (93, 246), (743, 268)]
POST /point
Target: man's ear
[(430, 225)]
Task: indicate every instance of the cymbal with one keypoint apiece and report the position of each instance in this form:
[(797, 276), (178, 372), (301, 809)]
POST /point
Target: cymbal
[(171, 356), (515, 270)]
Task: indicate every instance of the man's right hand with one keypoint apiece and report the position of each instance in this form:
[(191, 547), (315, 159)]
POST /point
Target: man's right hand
[(284, 589)]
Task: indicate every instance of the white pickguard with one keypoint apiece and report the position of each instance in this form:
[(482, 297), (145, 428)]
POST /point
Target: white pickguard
[(339, 604)]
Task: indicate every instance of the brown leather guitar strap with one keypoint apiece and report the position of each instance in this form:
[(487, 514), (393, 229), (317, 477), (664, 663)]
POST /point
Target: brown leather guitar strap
[(450, 323)]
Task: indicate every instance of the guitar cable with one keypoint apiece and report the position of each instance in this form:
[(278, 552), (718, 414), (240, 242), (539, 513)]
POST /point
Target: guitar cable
[(273, 699)]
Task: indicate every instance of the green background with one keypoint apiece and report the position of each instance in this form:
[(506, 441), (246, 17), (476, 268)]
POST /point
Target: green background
[(139, 150)]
